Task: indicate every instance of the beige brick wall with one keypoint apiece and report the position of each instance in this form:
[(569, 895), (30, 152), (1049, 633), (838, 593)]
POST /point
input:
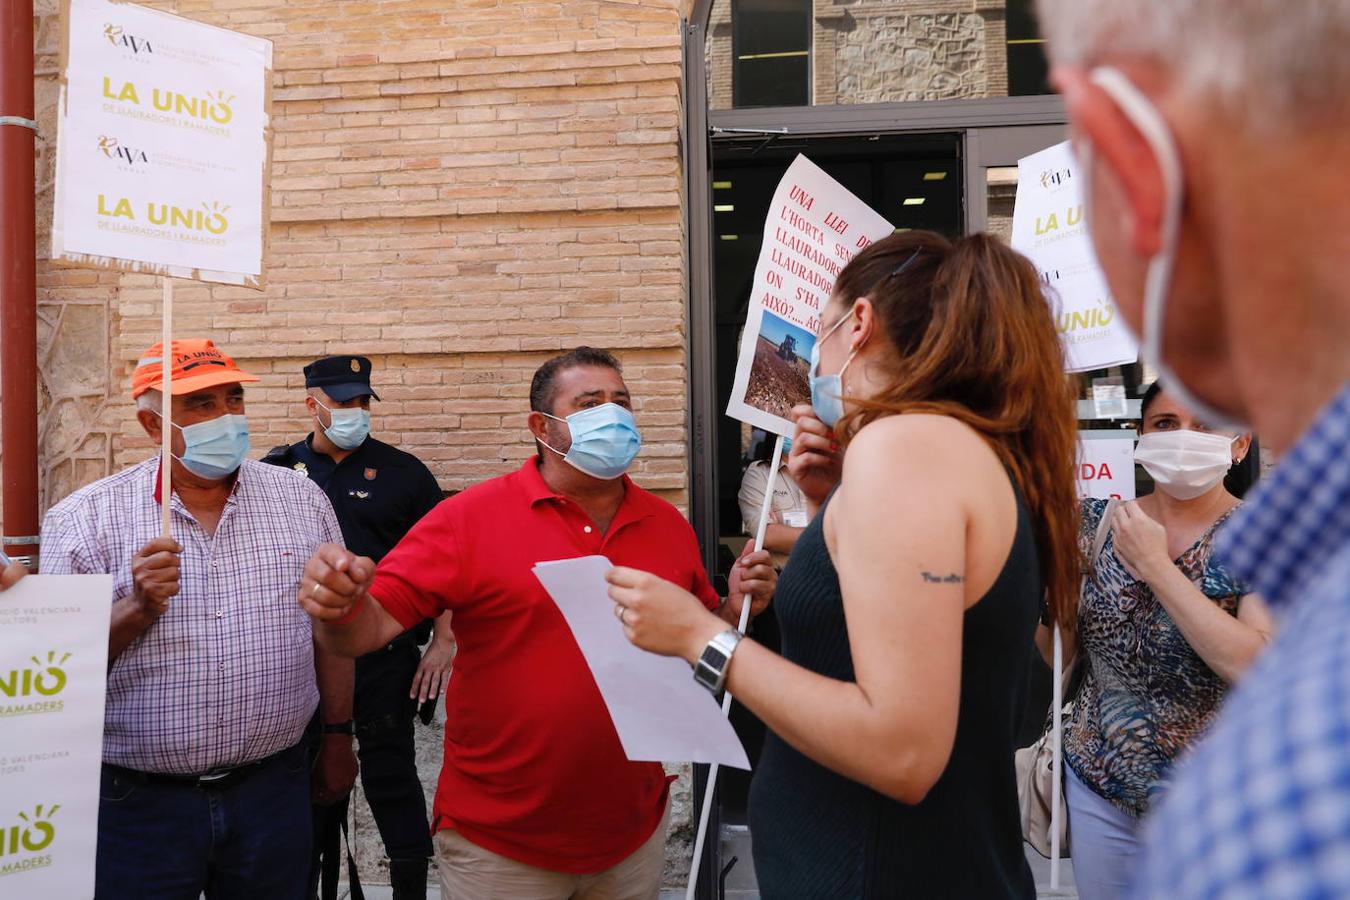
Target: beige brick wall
[(459, 189)]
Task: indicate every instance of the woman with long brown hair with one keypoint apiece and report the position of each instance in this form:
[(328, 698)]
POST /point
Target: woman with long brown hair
[(942, 530)]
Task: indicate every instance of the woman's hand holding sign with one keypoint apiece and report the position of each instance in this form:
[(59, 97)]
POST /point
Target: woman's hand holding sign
[(814, 462)]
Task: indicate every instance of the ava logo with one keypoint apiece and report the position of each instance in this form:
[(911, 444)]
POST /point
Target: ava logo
[(44, 679), (1055, 179), (34, 835), (111, 148), (210, 217), (119, 38)]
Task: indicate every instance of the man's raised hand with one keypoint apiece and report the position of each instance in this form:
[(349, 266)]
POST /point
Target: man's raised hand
[(335, 580)]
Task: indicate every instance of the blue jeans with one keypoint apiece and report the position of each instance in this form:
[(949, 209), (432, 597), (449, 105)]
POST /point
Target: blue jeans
[(247, 841), (1104, 842)]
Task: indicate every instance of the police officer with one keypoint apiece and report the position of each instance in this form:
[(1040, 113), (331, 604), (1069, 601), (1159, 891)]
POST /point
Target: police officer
[(379, 492)]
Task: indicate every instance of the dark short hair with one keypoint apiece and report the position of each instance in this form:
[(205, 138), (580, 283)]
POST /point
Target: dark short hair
[(1150, 395), (541, 386)]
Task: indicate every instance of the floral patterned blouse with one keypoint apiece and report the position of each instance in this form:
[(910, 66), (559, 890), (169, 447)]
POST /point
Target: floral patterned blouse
[(1146, 695)]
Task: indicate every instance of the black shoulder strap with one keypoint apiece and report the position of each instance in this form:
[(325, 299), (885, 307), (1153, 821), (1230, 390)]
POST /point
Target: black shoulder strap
[(334, 840)]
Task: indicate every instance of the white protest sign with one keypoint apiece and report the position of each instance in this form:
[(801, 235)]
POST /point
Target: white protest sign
[(660, 713), (1050, 230), (1106, 468), (163, 145), (814, 227), (53, 670)]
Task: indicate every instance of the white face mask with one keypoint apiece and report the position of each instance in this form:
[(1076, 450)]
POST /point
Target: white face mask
[(1185, 464), (1158, 282)]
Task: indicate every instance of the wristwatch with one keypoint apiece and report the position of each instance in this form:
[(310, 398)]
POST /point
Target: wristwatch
[(711, 668), (339, 727)]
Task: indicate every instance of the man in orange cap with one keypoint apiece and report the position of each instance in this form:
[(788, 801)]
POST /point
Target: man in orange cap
[(212, 669)]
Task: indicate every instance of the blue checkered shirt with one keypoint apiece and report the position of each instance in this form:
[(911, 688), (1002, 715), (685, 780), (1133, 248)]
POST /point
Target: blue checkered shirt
[(226, 676), (1261, 808)]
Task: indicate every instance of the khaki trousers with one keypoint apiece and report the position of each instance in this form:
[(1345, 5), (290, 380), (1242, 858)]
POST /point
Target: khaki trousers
[(469, 872)]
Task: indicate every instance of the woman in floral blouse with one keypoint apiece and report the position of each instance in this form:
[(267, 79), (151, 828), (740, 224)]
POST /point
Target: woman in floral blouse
[(1163, 629)]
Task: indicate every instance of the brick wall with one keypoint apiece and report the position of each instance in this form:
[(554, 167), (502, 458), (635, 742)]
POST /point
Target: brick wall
[(458, 190)]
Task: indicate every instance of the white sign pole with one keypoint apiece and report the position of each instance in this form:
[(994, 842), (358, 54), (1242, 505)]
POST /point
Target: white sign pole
[(700, 836), (166, 408)]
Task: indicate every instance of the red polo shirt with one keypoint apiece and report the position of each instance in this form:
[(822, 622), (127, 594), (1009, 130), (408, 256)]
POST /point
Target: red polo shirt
[(533, 767)]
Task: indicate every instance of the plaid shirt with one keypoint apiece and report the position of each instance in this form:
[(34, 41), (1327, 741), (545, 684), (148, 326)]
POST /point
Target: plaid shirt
[(226, 676), (1262, 807)]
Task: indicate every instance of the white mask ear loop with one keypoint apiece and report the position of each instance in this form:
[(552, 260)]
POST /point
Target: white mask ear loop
[(546, 443), (319, 421), (1145, 116)]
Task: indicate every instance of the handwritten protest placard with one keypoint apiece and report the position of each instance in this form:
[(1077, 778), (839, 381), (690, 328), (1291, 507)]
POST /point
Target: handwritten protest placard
[(814, 227)]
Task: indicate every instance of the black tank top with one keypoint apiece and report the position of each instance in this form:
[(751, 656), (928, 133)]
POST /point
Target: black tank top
[(817, 834)]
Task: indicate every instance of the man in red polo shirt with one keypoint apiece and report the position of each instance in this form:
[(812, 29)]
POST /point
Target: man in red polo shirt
[(536, 798)]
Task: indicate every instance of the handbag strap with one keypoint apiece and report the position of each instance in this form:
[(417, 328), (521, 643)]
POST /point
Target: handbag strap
[(1099, 540), (1056, 759), (1057, 723)]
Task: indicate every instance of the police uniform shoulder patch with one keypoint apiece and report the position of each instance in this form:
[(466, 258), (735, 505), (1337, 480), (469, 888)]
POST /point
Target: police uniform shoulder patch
[(301, 468), (370, 474)]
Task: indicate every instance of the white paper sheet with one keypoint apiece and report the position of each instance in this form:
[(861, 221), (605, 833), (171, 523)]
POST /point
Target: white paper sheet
[(53, 673), (660, 713)]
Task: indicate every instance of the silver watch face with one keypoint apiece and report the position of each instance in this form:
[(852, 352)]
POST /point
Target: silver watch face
[(714, 656), (712, 663)]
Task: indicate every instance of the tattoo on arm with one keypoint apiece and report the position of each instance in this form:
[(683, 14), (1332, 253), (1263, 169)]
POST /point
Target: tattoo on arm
[(951, 578)]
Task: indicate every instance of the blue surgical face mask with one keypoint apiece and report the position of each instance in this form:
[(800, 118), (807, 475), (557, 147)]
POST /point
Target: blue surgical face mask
[(605, 440), (827, 391), (349, 428), (216, 448)]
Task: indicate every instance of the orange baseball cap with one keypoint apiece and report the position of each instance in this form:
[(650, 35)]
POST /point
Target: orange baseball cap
[(197, 364)]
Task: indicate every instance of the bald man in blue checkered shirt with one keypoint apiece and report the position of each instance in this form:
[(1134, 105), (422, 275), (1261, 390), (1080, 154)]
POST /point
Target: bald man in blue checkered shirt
[(1213, 138)]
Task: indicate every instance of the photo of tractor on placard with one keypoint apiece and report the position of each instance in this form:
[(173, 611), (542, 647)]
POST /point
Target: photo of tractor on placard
[(778, 376)]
